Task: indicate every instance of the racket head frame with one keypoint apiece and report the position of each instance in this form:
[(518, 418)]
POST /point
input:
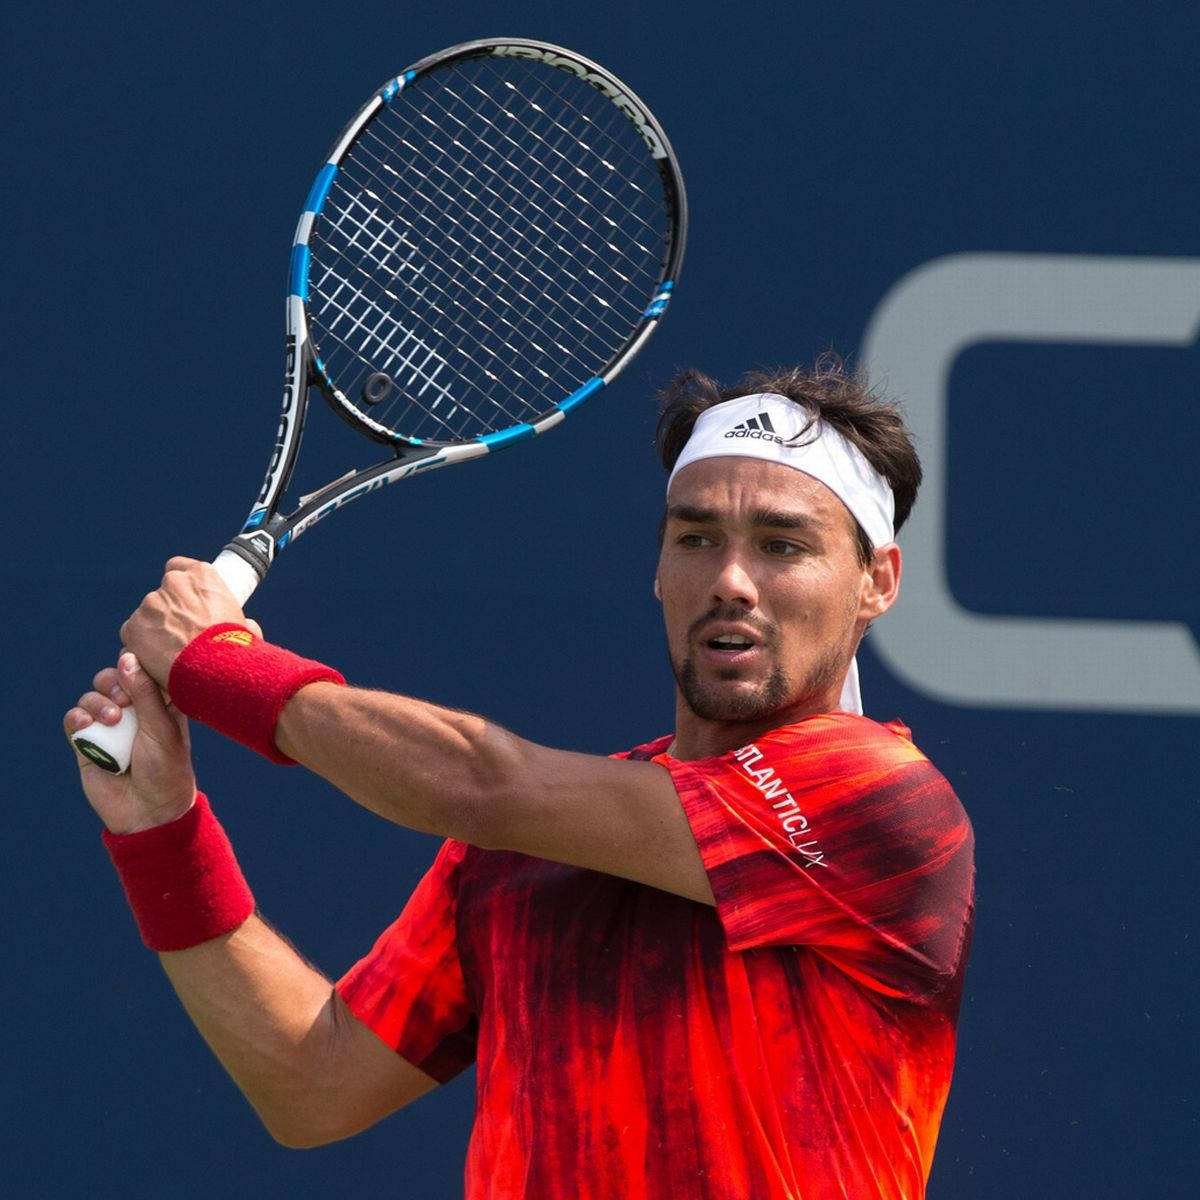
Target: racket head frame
[(266, 531)]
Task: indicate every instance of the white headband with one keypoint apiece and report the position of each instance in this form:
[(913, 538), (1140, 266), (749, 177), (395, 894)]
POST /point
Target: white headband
[(767, 426)]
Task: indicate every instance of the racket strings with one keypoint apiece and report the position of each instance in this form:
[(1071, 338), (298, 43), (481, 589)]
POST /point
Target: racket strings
[(557, 198), (448, 198), (499, 320), (400, 360), (628, 173), (571, 135), (344, 307), (558, 242), (499, 135), (490, 242), (477, 292), (538, 262), (487, 238)]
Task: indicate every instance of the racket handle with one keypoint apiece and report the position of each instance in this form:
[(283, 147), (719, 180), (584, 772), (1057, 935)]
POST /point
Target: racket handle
[(239, 576), (110, 747)]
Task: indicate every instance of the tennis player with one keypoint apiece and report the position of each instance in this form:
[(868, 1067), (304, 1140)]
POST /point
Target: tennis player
[(727, 963)]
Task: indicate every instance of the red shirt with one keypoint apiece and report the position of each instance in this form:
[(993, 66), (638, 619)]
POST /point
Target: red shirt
[(796, 1041)]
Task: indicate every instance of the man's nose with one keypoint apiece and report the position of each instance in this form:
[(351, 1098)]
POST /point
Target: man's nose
[(734, 583)]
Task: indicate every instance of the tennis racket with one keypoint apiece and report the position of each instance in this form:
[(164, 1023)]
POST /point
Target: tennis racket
[(492, 238)]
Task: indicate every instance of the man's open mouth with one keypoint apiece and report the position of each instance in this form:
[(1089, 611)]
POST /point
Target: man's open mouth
[(730, 641)]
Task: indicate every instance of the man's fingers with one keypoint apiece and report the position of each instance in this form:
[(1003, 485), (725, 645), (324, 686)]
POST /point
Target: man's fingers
[(97, 707), (147, 699), (93, 707), (179, 563), (75, 719), (106, 682)]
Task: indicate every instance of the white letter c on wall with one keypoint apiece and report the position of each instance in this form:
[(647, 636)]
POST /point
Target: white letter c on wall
[(920, 327)]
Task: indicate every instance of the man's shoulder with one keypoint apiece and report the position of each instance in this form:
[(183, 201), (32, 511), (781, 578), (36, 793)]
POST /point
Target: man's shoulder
[(833, 755), (853, 750), (844, 733)]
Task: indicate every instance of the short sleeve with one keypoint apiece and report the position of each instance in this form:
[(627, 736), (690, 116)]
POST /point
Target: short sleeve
[(838, 834), (410, 989)]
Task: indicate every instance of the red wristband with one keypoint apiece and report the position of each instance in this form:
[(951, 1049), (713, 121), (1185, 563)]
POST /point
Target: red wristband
[(181, 879), (238, 684)]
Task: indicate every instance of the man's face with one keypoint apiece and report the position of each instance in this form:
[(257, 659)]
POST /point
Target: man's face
[(763, 594)]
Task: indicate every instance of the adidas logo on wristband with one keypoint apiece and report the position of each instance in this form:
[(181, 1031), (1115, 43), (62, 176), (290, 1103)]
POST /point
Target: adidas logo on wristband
[(239, 637)]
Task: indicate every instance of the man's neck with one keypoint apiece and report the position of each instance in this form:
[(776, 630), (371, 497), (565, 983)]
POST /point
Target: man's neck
[(697, 737)]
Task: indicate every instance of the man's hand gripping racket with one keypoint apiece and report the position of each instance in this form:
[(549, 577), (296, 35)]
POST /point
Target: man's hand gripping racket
[(494, 235)]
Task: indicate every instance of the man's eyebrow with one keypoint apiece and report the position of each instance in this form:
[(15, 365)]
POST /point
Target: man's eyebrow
[(779, 518), (769, 518), (692, 514)]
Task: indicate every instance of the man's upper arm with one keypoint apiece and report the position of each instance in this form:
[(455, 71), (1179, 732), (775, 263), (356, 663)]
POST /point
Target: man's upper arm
[(616, 816), (371, 1079)]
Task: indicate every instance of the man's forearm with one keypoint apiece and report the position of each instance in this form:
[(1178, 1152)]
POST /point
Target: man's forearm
[(312, 1072)]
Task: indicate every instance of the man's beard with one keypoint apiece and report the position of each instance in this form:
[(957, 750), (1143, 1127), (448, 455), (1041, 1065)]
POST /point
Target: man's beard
[(710, 702)]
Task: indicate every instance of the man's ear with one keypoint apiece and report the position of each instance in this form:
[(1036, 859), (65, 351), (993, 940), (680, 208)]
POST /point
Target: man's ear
[(657, 588), (881, 583)]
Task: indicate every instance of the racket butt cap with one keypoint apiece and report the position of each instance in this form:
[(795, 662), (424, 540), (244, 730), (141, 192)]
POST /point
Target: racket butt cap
[(109, 746)]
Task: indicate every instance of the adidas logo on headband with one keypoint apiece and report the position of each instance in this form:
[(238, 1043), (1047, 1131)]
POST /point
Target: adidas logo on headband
[(757, 427)]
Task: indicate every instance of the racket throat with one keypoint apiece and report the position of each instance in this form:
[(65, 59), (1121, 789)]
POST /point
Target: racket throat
[(258, 547)]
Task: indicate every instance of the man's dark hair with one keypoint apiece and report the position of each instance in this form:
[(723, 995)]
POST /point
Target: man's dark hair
[(831, 393)]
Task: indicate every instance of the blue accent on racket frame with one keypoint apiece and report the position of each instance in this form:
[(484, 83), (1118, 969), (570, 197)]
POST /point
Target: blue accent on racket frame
[(254, 520), (320, 188), (298, 276), (579, 395), (389, 93), (659, 304), (283, 541), (506, 437)]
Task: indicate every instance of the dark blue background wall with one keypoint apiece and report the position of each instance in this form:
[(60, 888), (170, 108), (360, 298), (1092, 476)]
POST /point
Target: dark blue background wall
[(156, 157)]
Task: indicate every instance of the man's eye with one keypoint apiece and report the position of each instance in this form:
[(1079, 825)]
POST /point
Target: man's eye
[(694, 541), (779, 546)]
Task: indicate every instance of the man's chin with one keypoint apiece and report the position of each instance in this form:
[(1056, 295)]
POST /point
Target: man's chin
[(729, 700)]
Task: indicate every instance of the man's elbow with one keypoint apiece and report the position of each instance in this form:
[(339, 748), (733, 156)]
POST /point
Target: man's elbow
[(291, 1139), (295, 1128), (496, 794), (306, 1131)]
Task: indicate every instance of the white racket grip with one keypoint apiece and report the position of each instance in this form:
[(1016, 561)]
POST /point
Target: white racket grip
[(110, 747), (239, 576)]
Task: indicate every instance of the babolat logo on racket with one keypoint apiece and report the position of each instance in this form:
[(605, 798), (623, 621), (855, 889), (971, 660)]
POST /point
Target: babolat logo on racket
[(601, 83), (290, 390), (757, 427)]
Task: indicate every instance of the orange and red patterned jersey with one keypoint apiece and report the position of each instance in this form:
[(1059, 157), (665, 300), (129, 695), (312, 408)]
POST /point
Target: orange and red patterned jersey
[(796, 1041)]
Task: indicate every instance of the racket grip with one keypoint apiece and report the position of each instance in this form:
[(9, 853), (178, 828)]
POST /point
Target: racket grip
[(239, 576), (110, 747)]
